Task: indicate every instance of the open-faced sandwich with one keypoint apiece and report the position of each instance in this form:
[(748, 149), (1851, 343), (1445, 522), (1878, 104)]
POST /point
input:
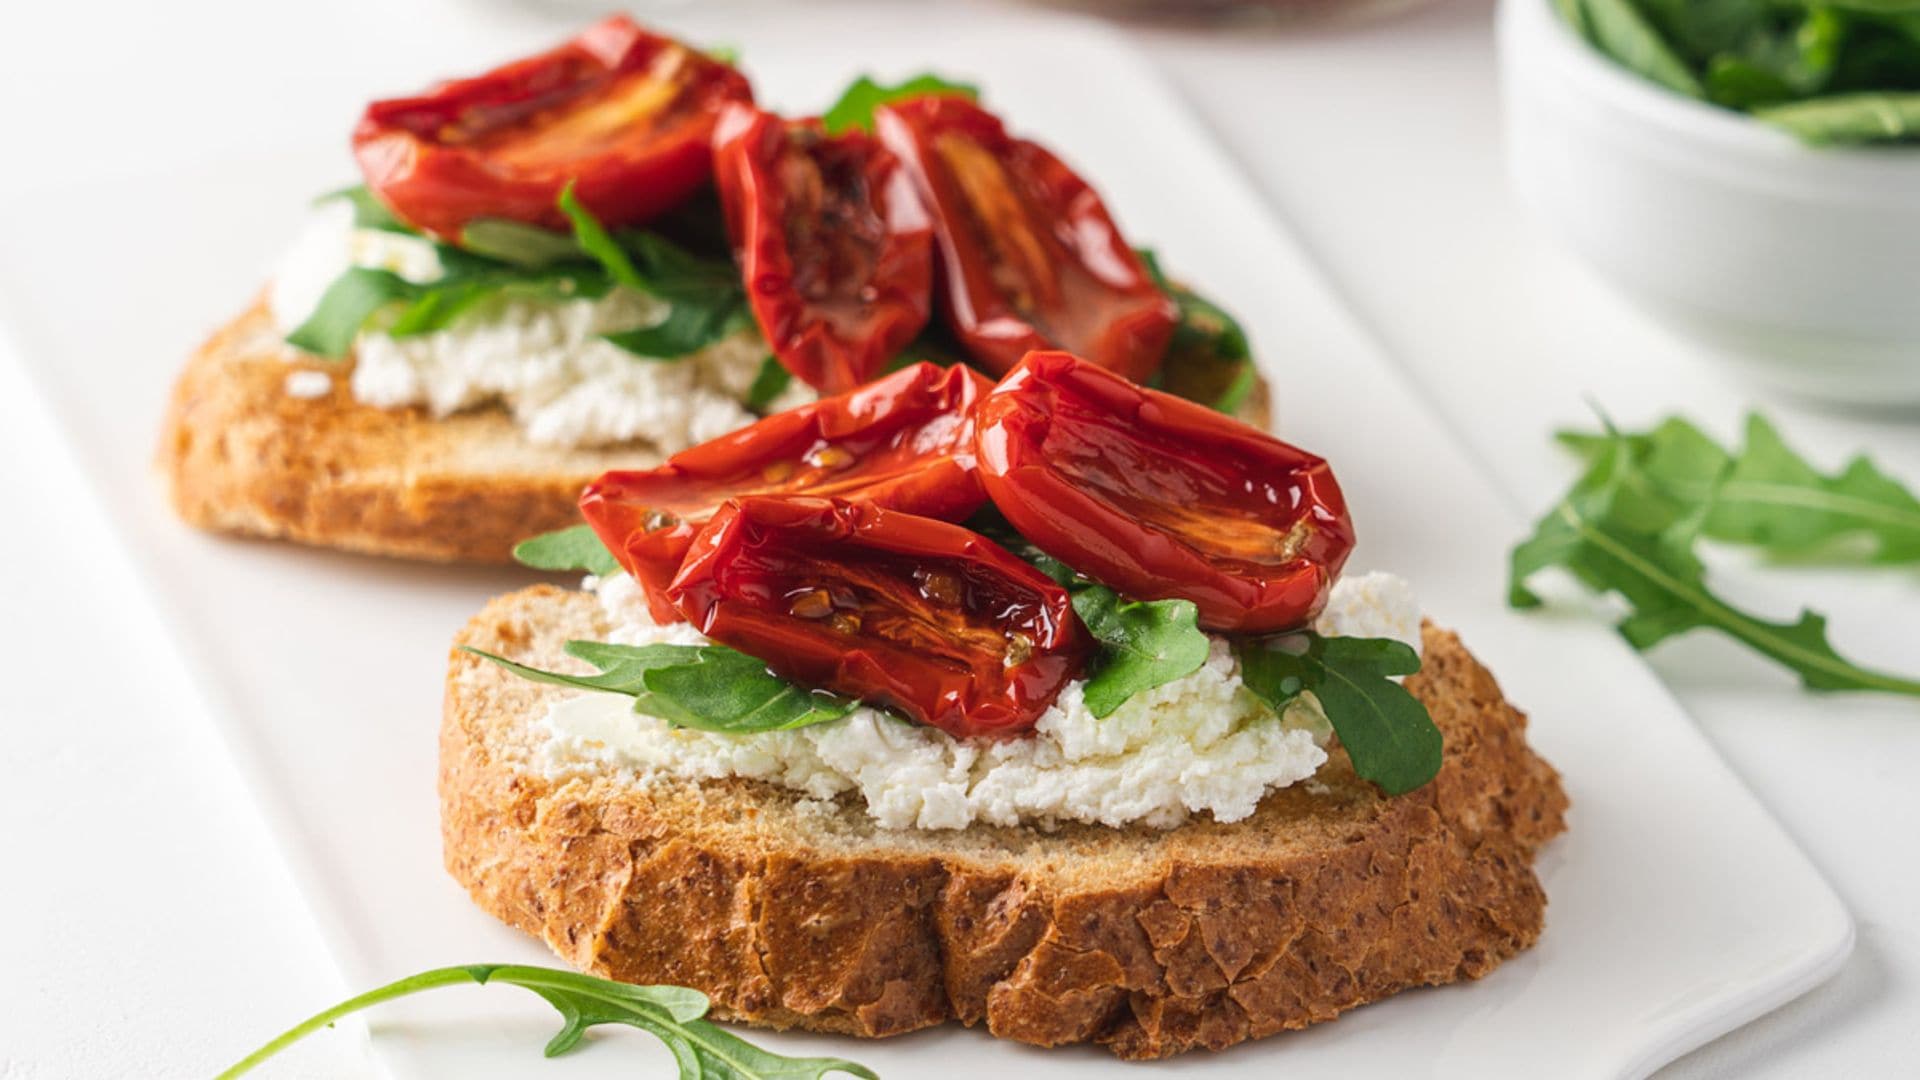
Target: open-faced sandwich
[(1040, 704), (605, 254)]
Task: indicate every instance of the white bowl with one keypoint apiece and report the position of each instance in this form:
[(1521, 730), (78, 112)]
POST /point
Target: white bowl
[(1801, 264)]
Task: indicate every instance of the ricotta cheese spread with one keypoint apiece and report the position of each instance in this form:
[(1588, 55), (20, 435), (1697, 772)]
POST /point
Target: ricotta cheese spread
[(308, 384), (543, 360), (1201, 744)]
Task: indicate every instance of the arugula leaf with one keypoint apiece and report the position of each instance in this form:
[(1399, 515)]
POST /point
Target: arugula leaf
[(857, 102), (1237, 392), (1612, 537), (509, 258), (1767, 495), (1575, 15), (1829, 73), (1386, 730), (675, 1014), (623, 668), (1208, 359), (704, 687), (706, 302), (1144, 644), (1849, 118), (518, 243), (771, 381), (687, 329), (577, 547), (1623, 32), (348, 303), (594, 239), (720, 689), (677, 274), (368, 211)]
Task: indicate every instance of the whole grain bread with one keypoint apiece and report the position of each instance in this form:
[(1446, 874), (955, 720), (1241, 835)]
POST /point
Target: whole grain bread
[(1149, 941), (239, 454)]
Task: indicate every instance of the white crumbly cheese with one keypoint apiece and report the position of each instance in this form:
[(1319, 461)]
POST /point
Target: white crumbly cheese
[(543, 360), (307, 383), (1202, 744), (1371, 605)]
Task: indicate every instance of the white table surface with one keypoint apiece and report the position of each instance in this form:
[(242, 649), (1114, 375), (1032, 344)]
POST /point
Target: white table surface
[(149, 928)]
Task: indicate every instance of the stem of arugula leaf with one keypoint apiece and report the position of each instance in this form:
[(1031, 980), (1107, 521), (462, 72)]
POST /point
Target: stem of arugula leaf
[(1734, 622), (412, 984), (512, 974), (1749, 491)]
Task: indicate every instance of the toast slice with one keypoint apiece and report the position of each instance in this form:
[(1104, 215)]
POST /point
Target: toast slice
[(1149, 941), (239, 454)]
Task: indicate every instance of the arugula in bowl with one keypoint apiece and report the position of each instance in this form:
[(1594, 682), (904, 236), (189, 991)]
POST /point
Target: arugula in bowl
[(1845, 72)]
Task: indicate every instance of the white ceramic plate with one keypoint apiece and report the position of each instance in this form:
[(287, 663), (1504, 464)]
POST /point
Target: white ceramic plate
[(1678, 908)]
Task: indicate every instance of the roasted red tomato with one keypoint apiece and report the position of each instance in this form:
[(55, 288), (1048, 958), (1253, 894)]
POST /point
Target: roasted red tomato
[(624, 115), (833, 245), (922, 616), (1159, 497), (904, 442), (1029, 257)]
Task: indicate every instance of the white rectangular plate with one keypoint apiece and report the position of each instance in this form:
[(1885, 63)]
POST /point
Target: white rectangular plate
[(1678, 908)]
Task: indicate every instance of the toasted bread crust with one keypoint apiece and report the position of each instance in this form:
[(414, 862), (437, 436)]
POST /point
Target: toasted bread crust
[(241, 455), (1151, 942)]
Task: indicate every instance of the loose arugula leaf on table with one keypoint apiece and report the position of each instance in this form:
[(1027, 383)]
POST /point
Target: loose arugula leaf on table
[(857, 102), (674, 1014), (577, 547), (1618, 532), (1387, 731), (705, 687), (1766, 495)]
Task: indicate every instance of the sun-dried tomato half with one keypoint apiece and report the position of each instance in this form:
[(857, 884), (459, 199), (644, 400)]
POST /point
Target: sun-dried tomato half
[(624, 115), (1029, 257), (833, 245), (921, 616), (1159, 497), (904, 442)]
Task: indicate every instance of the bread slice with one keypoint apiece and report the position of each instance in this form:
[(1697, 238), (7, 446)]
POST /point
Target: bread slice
[(241, 455), (1149, 941)]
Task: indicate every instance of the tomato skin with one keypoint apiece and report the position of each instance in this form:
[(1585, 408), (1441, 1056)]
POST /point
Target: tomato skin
[(915, 614), (1159, 497), (833, 244), (504, 144), (904, 442), (1029, 257)]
